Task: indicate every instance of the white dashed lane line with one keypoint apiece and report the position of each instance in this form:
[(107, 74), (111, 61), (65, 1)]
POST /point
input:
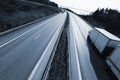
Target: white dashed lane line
[(37, 37), (6, 43)]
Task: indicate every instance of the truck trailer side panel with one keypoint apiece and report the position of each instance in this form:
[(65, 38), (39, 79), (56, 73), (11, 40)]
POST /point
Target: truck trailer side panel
[(93, 35), (104, 41), (113, 43), (101, 42), (114, 62)]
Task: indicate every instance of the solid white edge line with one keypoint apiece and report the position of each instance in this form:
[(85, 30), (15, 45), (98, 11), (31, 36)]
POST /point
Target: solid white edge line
[(77, 60), (6, 43), (37, 65), (40, 60)]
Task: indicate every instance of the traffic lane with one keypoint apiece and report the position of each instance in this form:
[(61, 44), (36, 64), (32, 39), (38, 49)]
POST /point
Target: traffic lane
[(79, 31), (13, 44), (22, 60), (16, 52), (11, 35), (42, 62), (16, 33), (38, 27), (83, 53), (83, 26), (84, 58), (75, 69), (28, 55), (82, 22)]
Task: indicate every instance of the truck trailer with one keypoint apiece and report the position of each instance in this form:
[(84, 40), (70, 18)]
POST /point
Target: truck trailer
[(113, 62), (104, 41)]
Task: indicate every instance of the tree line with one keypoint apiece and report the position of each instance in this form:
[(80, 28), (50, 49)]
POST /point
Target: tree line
[(110, 17)]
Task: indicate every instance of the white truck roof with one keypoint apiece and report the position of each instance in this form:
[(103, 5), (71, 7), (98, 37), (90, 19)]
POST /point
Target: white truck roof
[(107, 34)]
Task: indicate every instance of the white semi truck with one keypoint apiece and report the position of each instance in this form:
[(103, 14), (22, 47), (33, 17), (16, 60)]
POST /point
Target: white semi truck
[(113, 62), (104, 41)]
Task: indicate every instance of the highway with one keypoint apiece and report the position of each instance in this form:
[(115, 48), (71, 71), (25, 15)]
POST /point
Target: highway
[(26, 51), (79, 58)]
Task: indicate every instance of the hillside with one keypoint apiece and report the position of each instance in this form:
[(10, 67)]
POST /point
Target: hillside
[(14, 13), (105, 18)]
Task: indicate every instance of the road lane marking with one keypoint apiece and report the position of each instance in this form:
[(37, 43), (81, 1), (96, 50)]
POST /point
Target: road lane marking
[(4, 44), (45, 53), (77, 35), (8, 42), (76, 55), (37, 37)]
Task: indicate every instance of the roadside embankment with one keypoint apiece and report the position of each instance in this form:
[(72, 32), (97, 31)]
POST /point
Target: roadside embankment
[(19, 13)]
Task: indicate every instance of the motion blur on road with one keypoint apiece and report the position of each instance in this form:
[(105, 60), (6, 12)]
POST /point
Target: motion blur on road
[(20, 50), (27, 52)]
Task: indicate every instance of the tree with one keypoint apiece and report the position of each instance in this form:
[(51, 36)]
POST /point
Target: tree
[(40, 1)]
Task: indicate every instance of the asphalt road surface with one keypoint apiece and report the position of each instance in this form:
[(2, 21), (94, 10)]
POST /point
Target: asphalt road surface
[(23, 49), (80, 65), (20, 50)]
